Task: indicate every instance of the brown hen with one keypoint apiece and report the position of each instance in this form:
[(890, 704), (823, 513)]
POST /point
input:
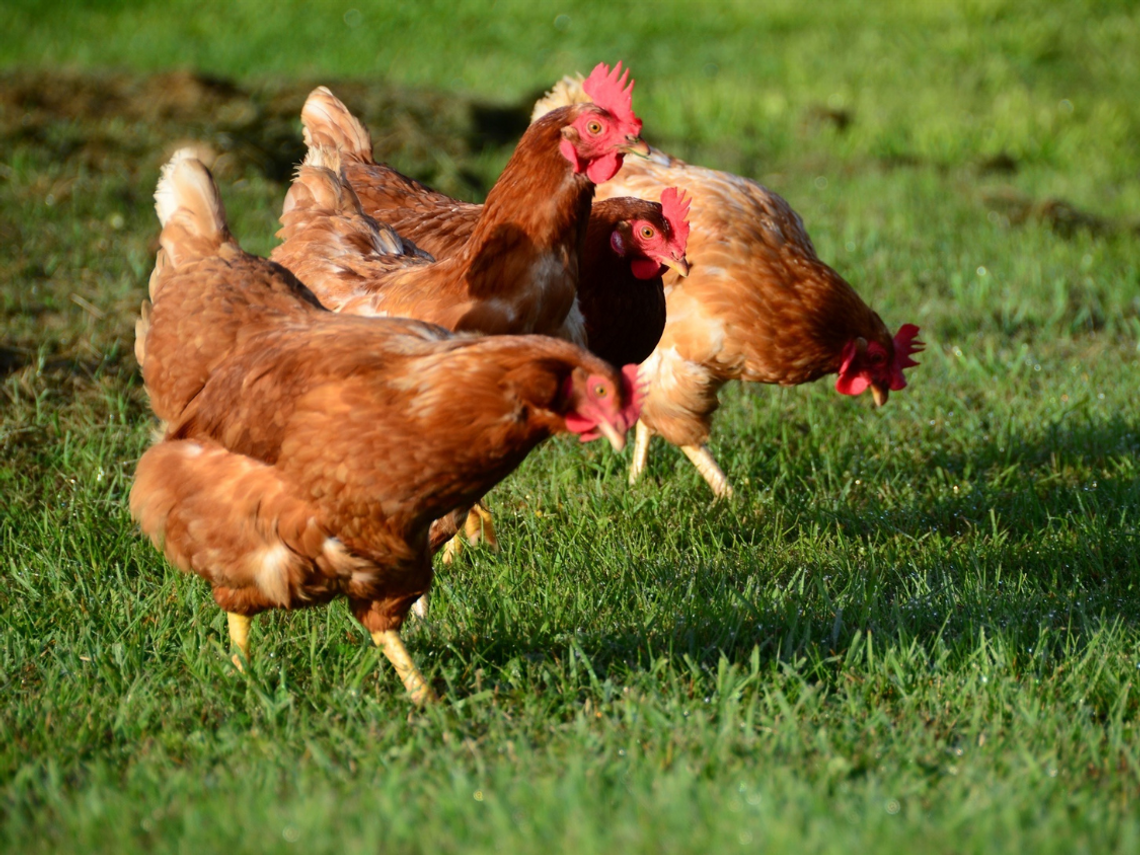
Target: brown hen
[(758, 305), (307, 453), (624, 310), (517, 270)]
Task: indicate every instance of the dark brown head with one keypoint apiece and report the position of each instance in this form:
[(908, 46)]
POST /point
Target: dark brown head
[(651, 236)]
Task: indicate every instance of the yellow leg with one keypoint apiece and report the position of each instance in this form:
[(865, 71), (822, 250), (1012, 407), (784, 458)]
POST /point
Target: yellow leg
[(393, 646), (481, 527), (451, 549), (640, 453), (420, 606), (239, 635), (709, 470)]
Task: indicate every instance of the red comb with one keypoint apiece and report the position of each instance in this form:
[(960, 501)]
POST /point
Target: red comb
[(675, 207), (906, 343), (609, 91)]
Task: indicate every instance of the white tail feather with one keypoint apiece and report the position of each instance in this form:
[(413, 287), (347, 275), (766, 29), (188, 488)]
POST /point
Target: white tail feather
[(328, 123), (323, 156), (190, 209), (186, 183)]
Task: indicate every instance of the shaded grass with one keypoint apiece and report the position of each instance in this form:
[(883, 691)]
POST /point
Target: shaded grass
[(914, 628)]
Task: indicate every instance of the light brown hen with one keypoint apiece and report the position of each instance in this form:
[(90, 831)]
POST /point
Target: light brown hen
[(758, 305)]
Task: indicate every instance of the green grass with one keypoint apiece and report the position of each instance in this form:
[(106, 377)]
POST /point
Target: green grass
[(915, 629)]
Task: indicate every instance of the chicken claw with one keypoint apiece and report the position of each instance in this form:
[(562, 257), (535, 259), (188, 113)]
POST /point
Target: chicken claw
[(239, 635), (478, 528), (709, 470), (390, 642)]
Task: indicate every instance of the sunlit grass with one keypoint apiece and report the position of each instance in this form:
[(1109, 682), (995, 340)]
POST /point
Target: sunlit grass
[(914, 627)]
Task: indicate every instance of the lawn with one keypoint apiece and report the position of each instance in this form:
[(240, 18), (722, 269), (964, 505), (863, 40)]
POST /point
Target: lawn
[(913, 629)]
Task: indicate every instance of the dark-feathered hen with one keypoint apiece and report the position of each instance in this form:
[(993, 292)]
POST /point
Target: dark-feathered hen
[(307, 453)]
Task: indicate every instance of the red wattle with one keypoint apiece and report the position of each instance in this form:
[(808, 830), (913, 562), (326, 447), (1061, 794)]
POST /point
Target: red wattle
[(602, 169), (852, 385), (646, 268)]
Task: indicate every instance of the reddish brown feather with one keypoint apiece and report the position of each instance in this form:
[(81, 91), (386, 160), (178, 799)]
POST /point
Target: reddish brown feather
[(516, 270), (624, 316)]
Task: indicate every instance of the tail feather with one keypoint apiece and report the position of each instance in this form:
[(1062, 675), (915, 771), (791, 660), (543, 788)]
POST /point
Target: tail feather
[(322, 212), (319, 185), (565, 92), (190, 210), (329, 124)]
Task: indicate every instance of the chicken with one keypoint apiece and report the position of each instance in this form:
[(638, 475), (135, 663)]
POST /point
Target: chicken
[(323, 213), (517, 271), (612, 298), (629, 244), (306, 453), (758, 305)]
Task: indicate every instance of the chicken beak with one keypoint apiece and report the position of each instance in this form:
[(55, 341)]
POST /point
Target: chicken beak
[(681, 265), (607, 430), (636, 145), (880, 394)]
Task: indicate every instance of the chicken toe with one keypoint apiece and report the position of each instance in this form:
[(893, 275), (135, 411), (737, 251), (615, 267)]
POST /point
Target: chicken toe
[(390, 642), (709, 470)]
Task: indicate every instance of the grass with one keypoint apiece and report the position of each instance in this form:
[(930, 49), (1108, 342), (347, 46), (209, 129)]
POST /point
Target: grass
[(915, 629)]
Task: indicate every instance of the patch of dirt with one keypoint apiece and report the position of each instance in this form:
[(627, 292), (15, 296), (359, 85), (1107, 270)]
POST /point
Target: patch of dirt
[(104, 118), (1064, 218)]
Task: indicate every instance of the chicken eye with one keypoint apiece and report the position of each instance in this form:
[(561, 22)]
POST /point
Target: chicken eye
[(594, 127), (647, 233), (878, 358), (601, 391)]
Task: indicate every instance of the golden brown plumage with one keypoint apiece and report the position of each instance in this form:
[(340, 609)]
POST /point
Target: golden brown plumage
[(759, 305), (307, 452), (517, 270), (624, 315)]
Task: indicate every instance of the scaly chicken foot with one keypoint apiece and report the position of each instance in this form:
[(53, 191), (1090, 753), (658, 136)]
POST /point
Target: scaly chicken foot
[(709, 470), (390, 642), (479, 527), (239, 635), (640, 453)]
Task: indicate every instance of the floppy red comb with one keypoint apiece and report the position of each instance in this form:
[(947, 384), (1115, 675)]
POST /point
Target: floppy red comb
[(906, 343), (675, 207), (609, 91)]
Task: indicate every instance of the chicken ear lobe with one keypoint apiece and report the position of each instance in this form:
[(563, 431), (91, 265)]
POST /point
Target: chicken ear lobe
[(569, 151)]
